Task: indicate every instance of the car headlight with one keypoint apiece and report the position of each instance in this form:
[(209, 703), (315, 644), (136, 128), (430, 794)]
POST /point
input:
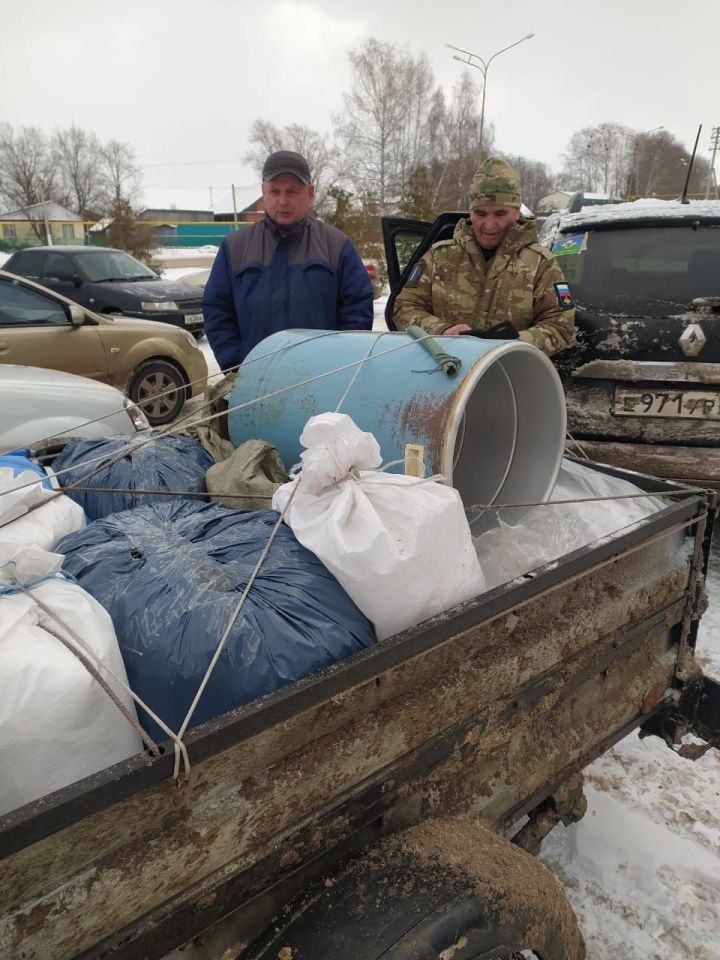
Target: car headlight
[(153, 306), (140, 421)]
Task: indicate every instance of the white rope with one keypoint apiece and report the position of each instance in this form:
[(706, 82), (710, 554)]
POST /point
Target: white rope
[(223, 640), (100, 666), (579, 446), (261, 559)]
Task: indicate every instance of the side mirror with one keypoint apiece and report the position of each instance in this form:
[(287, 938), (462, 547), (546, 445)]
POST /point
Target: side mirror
[(77, 315)]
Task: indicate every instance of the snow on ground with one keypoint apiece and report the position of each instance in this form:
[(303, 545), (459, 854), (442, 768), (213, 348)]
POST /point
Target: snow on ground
[(642, 869), (181, 273), (184, 253)]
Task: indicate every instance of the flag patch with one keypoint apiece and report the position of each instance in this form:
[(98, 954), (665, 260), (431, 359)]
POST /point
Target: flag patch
[(576, 243), (417, 272), (562, 290)]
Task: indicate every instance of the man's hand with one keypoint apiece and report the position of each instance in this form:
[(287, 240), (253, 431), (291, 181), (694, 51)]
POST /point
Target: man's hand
[(456, 330)]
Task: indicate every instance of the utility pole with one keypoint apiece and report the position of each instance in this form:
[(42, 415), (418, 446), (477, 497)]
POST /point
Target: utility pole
[(714, 141), (235, 219), (48, 233)]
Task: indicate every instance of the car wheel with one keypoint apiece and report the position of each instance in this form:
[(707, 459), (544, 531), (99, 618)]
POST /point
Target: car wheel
[(159, 388)]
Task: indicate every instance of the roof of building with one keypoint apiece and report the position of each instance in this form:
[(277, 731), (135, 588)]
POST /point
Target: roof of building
[(53, 211)]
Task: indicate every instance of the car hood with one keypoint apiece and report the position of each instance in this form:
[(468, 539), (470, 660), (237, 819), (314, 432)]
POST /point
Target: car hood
[(154, 289), (154, 328), (19, 377)]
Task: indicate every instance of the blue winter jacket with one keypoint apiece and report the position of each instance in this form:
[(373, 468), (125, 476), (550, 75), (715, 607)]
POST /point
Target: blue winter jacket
[(262, 282)]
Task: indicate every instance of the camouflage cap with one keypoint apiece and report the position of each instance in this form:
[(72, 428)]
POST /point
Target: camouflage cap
[(496, 182)]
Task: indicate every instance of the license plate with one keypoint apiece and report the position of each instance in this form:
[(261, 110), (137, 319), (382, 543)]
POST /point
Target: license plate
[(688, 404), (193, 318)]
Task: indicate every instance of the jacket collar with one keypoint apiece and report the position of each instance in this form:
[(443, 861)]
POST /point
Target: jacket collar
[(294, 231), (520, 234)]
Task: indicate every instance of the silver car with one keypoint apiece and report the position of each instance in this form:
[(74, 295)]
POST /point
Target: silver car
[(37, 404)]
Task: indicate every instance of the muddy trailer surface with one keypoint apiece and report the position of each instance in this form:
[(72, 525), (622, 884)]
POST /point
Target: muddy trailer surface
[(421, 752)]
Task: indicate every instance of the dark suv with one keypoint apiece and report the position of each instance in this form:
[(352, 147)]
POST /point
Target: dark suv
[(111, 281), (643, 380)]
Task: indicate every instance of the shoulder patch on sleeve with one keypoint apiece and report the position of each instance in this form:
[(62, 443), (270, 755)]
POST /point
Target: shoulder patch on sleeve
[(416, 273), (562, 292)]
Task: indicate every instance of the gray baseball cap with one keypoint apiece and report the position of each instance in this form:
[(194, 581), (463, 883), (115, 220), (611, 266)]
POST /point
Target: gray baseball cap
[(286, 161)]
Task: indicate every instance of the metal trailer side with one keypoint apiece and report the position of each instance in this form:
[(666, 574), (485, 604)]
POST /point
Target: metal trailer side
[(483, 712)]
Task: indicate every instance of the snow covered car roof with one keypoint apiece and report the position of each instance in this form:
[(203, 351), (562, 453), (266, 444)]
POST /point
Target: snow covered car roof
[(646, 210)]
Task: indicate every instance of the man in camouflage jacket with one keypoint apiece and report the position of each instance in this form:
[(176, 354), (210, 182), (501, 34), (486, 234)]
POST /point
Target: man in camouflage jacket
[(493, 279)]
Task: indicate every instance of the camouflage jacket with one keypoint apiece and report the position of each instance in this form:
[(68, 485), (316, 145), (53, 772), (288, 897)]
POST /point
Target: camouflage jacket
[(453, 284)]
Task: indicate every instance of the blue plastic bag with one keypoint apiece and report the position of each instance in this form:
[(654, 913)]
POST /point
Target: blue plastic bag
[(172, 463), (170, 575)]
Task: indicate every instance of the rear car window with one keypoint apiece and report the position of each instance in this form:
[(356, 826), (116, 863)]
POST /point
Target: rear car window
[(27, 264), (645, 271)]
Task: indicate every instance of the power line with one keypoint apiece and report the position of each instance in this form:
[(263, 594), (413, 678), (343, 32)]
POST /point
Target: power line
[(203, 186), (192, 163)]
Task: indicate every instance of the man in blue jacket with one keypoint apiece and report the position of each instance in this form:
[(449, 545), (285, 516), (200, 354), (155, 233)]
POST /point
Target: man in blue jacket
[(288, 271)]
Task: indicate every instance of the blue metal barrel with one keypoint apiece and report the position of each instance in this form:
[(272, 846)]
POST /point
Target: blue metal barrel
[(495, 429)]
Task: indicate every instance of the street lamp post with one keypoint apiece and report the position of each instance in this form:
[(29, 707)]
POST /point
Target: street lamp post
[(483, 67), (635, 138)]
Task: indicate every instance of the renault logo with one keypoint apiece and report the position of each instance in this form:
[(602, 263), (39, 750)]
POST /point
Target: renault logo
[(692, 340)]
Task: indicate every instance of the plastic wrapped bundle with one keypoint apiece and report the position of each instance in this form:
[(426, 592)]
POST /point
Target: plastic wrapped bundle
[(549, 532), (170, 574), (30, 512), (169, 463), (57, 724)]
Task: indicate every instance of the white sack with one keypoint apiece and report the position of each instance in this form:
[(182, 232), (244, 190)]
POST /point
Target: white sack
[(57, 725), (547, 533), (47, 524), (400, 546)]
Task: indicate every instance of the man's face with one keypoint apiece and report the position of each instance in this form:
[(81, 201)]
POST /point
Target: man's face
[(491, 223), (287, 199)]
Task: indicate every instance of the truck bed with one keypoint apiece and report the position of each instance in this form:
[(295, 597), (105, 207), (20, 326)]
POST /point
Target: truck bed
[(484, 711)]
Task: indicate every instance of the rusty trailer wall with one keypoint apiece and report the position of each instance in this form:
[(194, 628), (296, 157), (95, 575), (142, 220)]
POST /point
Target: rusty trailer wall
[(479, 712)]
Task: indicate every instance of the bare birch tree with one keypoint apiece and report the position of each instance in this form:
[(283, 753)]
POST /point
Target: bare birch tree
[(28, 170), (317, 149), (383, 126), (121, 172), (83, 183), (619, 161)]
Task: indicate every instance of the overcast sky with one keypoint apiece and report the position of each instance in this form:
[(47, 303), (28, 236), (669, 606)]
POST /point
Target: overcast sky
[(182, 80)]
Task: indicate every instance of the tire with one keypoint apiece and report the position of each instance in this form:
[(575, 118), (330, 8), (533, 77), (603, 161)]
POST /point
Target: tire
[(151, 379), (443, 889)]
